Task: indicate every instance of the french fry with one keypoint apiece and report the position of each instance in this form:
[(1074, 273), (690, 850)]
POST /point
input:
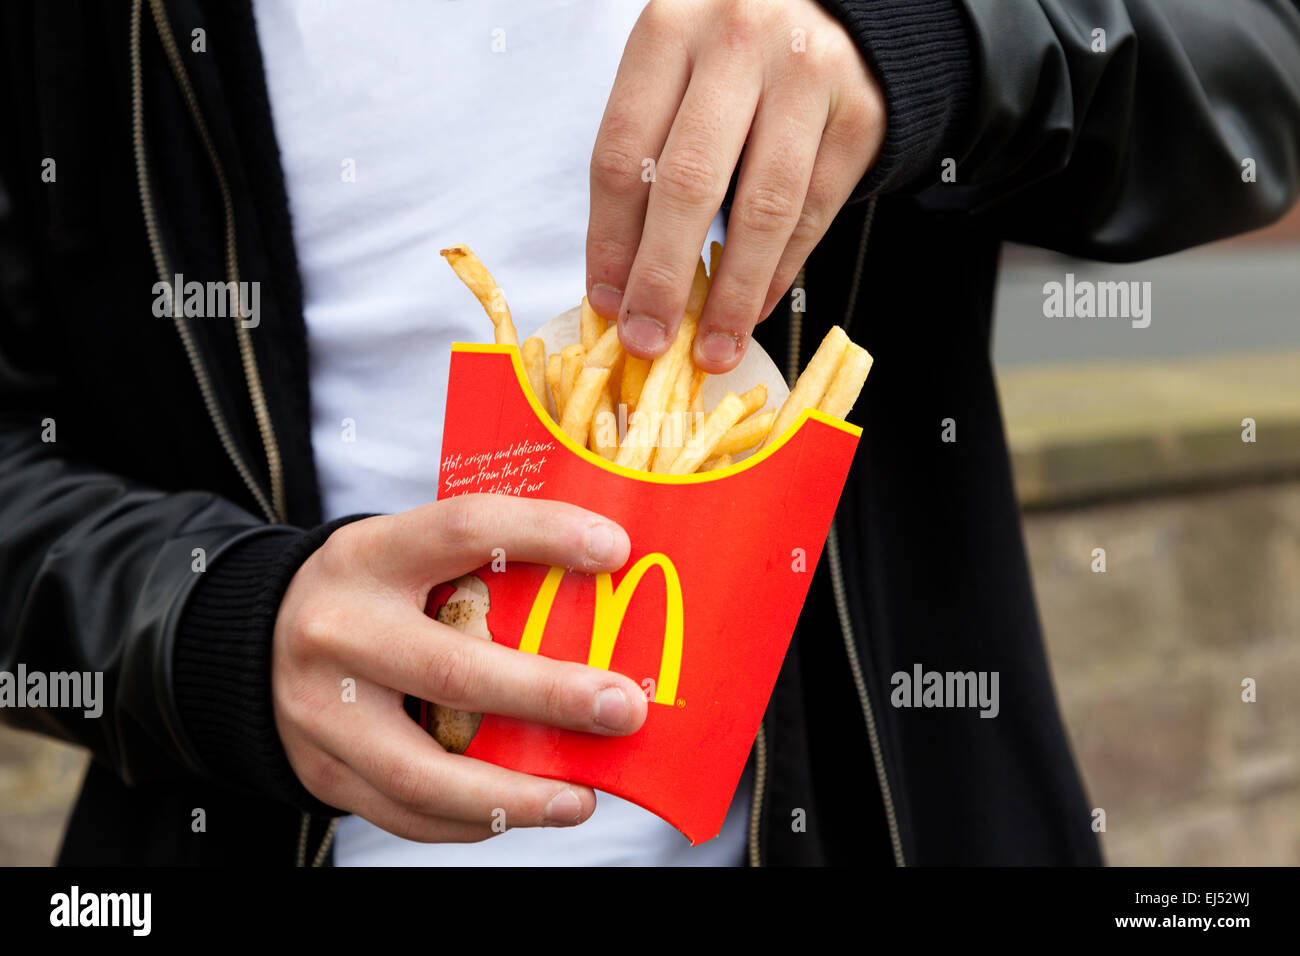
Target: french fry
[(639, 444), (605, 351), (553, 374), (615, 383), (581, 403), (847, 384), (635, 371), (533, 353), (813, 382), (584, 384), (474, 274), (702, 444), (746, 434), (603, 437), (592, 325), (699, 291), (754, 399), (570, 365), (673, 430)]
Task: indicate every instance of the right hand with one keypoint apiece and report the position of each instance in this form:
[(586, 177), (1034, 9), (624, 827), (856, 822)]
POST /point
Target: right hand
[(356, 609)]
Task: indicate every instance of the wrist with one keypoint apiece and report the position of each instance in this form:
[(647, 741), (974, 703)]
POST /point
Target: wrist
[(221, 667), (920, 54)]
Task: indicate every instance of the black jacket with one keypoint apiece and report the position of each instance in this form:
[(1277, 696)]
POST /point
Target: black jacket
[(1128, 151)]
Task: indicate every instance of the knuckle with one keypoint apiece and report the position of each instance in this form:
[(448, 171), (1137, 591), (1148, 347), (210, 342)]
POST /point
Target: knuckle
[(659, 19), (460, 523), (558, 699), (768, 209), (741, 20), (857, 119), (616, 161), (808, 228), (449, 676), (404, 782), (315, 629), (659, 287), (350, 542), (690, 176)]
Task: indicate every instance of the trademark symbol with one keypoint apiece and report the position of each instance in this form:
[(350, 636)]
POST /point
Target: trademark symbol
[(680, 702)]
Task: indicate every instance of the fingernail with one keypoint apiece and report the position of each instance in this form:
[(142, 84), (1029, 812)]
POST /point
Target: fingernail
[(605, 299), (612, 711), (600, 544), (718, 347), (564, 808), (644, 333)]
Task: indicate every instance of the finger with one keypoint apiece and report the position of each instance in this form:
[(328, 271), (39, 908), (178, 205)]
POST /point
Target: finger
[(349, 791), (770, 194), (648, 88), (839, 167), (420, 657), (397, 758), (444, 540), (690, 182)]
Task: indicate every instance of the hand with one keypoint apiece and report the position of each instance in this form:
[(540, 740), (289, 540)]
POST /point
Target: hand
[(700, 79), (356, 609)]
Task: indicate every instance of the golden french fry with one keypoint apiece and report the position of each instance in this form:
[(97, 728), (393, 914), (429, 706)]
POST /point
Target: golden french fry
[(581, 403), (721, 461), (639, 444), (754, 399), (606, 350), (697, 404), (699, 291), (615, 383), (570, 365), (673, 431), (603, 437), (592, 325), (533, 353), (715, 257), (635, 371), (746, 434), (847, 384), (813, 381), (554, 372), (702, 444), (474, 274)]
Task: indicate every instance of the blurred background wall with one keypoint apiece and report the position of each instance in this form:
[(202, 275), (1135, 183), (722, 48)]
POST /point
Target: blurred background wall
[(1127, 440), (1130, 440)]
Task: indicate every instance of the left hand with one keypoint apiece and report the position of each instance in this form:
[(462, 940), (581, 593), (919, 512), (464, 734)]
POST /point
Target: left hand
[(699, 80)]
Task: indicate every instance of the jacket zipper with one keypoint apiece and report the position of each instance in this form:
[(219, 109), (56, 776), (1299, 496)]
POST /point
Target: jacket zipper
[(273, 507), (841, 598)]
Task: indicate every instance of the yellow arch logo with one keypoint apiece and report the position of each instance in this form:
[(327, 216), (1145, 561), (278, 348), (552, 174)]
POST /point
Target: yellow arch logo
[(611, 608)]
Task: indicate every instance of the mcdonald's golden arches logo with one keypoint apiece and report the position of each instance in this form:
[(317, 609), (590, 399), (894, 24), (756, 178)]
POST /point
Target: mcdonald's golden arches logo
[(611, 607)]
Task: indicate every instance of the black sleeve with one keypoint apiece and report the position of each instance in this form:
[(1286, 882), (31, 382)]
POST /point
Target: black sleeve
[(1112, 129), (100, 574)]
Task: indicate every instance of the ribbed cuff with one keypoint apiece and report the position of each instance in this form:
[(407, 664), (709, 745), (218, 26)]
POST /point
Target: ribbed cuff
[(222, 665), (921, 54)]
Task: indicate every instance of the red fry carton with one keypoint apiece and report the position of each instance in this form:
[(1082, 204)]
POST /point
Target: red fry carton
[(700, 616)]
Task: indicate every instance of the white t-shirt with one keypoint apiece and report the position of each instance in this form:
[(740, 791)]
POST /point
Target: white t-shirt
[(406, 126)]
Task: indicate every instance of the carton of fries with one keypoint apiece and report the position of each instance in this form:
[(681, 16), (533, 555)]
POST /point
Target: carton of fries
[(726, 486)]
